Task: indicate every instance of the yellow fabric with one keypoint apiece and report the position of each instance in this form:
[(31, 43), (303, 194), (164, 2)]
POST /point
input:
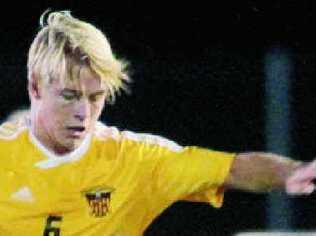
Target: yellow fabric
[(143, 176)]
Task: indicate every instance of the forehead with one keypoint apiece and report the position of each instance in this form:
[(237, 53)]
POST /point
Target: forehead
[(79, 77)]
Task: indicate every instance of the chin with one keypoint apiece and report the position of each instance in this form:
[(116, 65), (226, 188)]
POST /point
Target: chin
[(75, 144), (71, 145)]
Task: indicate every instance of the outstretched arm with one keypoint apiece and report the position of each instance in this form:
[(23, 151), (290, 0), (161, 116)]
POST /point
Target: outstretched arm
[(264, 172)]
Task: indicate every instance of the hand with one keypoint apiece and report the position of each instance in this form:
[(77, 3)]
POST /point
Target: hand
[(301, 181)]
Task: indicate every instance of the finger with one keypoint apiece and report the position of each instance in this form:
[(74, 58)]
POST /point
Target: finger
[(306, 173), (300, 188), (309, 189)]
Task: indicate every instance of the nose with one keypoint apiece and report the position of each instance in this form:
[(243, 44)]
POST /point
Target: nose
[(82, 110)]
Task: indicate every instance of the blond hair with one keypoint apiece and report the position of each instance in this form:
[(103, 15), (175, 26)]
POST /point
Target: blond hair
[(62, 37)]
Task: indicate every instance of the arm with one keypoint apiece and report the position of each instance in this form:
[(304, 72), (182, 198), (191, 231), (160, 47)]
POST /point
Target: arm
[(263, 172)]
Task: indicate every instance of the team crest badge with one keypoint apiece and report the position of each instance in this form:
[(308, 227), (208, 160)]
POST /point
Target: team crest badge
[(99, 200)]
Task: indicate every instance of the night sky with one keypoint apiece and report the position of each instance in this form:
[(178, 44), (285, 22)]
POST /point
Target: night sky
[(198, 72)]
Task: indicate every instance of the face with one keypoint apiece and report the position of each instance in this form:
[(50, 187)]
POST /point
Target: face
[(68, 109)]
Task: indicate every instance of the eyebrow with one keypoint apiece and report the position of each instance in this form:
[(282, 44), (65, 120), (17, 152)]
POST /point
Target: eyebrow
[(99, 92), (79, 93)]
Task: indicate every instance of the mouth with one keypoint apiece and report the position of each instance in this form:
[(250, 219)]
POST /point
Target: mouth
[(76, 131), (76, 128)]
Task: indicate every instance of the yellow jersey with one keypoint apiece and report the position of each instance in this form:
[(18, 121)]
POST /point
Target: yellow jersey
[(114, 184)]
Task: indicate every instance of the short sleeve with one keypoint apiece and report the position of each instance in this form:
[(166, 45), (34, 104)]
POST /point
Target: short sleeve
[(175, 172), (194, 174)]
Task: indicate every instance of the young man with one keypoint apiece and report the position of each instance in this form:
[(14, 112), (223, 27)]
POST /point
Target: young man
[(64, 173)]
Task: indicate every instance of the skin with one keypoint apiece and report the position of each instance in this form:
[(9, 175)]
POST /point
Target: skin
[(73, 106), (265, 172)]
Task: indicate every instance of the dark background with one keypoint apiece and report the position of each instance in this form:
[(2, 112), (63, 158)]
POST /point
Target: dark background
[(198, 71)]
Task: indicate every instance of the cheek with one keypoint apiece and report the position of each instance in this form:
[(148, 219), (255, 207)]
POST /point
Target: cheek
[(54, 111), (49, 118)]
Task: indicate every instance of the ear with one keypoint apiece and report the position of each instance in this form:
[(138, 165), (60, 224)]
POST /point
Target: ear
[(34, 87)]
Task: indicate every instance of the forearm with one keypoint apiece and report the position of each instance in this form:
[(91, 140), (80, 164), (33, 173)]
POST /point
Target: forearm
[(260, 172)]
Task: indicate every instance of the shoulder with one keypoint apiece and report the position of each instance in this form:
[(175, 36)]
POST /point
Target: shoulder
[(107, 132), (151, 139), (104, 132), (11, 130)]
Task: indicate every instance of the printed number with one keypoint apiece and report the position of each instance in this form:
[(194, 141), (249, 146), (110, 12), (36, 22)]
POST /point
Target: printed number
[(50, 230)]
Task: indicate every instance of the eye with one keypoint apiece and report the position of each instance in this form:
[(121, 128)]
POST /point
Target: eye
[(96, 97), (68, 95)]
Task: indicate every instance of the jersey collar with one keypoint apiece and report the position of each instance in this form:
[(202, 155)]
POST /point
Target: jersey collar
[(54, 160)]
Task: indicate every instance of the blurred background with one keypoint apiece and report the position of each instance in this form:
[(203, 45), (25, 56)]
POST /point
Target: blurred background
[(227, 75)]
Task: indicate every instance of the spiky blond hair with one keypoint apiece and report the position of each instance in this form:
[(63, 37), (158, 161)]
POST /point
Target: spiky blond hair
[(62, 37)]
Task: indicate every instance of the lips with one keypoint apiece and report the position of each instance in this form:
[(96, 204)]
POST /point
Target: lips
[(76, 131), (76, 128)]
